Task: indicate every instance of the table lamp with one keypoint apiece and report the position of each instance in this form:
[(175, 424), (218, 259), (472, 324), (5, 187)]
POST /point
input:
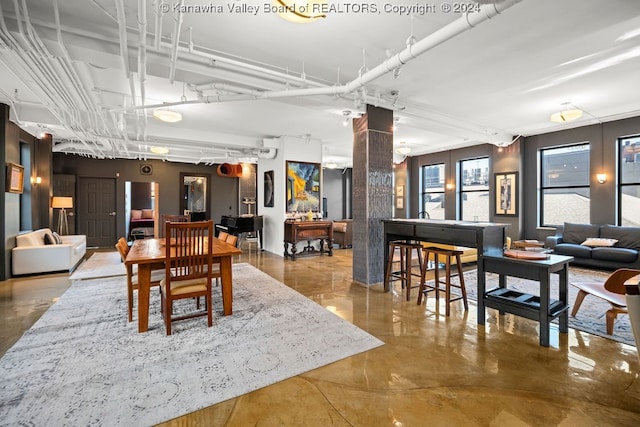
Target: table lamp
[(62, 203)]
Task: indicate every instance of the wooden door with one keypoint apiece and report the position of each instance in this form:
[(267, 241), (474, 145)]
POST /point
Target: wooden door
[(96, 211)]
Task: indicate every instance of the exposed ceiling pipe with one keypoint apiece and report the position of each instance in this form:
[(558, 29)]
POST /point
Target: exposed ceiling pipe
[(175, 41), (142, 60), (462, 24), (27, 63), (158, 35)]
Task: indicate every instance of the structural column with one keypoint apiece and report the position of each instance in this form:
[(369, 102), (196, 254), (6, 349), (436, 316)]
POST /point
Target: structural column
[(372, 191)]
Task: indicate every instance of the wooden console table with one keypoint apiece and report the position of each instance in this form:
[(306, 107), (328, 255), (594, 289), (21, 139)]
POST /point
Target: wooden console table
[(541, 308), (299, 231)]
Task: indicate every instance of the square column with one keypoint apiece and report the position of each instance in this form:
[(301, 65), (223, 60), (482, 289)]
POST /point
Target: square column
[(372, 191)]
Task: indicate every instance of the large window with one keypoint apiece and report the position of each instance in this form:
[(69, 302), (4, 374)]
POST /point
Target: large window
[(629, 167), (564, 185), (474, 189), (433, 191)]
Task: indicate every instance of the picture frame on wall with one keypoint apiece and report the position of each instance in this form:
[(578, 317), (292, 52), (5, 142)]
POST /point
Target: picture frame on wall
[(15, 178), (303, 186), (506, 193), (268, 189)]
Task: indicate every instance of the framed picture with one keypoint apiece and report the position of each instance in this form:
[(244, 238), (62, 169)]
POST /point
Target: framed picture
[(506, 193), (15, 178), (303, 186), (268, 189), (399, 203)]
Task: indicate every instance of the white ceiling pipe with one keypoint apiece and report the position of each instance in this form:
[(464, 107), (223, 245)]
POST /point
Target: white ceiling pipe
[(158, 35), (175, 42), (31, 68), (142, 62), (462, 24)]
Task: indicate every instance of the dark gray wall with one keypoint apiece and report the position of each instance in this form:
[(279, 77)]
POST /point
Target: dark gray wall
[(222, 191), (11, 138), (332, 190), (603, 158)]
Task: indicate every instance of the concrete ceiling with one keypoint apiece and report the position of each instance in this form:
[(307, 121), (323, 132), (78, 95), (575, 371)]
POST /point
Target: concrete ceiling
[(81, 71)]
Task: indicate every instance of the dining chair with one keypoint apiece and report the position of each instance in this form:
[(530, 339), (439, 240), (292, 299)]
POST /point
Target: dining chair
[(223, 236), (187, 269), (171, 218), (132, 279), (612, 291), (231, 239)]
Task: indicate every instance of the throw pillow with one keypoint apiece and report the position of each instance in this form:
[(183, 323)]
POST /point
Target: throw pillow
[(49, 239), (136, 213), (147, 213), (598, 241), (57, 238)]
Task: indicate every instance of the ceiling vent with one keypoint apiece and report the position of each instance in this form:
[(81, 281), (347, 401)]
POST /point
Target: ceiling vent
[(270, 153), (229, 170)]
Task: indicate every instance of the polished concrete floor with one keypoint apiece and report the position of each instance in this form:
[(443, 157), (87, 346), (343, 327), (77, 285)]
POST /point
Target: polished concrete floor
[(432, 371)]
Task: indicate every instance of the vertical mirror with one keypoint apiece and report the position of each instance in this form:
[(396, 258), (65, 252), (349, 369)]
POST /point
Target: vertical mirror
[(194, 189)]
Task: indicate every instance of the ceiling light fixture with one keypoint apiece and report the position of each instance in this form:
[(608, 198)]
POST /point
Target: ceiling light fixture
[(567, 114), (301, 11), (169, 116), (159, 150), (396, 120), (347, 116), (403, 149)]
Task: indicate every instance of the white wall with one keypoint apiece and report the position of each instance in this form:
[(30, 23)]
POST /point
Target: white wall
[(292, 149)]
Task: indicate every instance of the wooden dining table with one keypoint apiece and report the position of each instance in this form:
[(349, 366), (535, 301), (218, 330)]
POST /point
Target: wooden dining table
[(150, 254)]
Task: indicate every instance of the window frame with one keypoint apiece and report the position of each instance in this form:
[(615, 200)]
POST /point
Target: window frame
[(424, 192), (621, 184), (541, 179), (462, 194)]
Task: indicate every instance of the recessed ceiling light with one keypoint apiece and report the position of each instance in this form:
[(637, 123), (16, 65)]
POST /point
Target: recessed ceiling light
[(159, 150), (168, 116), (300, 11), (568, 113)]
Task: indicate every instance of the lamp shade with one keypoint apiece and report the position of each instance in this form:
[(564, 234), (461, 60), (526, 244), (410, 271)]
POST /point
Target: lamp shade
[(62, 202)]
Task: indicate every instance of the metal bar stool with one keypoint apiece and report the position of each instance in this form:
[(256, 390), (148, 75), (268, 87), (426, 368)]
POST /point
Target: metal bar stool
[(448, 254), (401, 252)]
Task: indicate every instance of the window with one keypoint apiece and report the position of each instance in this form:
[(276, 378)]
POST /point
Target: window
[(474, 189), (629, 167), (564, 185), (432, 192)]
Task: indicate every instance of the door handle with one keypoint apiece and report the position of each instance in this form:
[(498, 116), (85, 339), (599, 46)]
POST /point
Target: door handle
[(112, 214)]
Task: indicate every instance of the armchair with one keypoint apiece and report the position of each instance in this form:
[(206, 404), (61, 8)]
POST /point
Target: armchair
[(343, 233)]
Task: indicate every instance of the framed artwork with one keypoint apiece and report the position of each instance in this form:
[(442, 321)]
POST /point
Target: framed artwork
[(303, 186), (268, 189), (506, 193), (15, 178)]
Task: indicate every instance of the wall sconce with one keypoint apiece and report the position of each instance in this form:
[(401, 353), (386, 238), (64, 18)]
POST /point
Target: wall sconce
[(450, 186), (36, 180), (601, 177)]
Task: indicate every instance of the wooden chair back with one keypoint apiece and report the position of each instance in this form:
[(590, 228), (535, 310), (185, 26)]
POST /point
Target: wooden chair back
[(231, 239), (223, 236), (188, 268), (171, 218), (615, 282)]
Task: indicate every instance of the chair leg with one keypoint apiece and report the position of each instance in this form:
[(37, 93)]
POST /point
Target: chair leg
[(447, 289), (579, 299), (463, 289), (611, 317), (423, 274), (130, 300)]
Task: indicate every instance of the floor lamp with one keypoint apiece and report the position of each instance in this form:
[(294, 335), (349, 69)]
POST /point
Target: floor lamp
[(62, 203)]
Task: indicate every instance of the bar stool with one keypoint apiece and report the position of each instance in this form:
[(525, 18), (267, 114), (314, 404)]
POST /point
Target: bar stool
[(448, 254), (404, 256)]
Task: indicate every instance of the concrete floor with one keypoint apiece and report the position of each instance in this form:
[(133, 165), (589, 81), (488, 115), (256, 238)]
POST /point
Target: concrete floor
[(432, 371)]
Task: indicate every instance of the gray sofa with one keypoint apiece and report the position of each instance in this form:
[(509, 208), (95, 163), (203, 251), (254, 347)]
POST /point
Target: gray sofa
[(624, 253)]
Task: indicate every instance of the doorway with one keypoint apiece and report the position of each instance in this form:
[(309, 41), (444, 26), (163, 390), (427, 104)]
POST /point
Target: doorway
[(96, 211)]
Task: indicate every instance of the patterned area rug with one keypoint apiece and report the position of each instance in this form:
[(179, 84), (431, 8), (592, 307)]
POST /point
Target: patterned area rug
[(100, 264), (591, 316), (82, 363)]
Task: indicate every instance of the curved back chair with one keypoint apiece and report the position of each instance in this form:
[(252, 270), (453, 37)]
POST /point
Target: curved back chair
[(612, 291)]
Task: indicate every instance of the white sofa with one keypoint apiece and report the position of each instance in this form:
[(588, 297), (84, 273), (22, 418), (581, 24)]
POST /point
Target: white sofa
[(33, 255)]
